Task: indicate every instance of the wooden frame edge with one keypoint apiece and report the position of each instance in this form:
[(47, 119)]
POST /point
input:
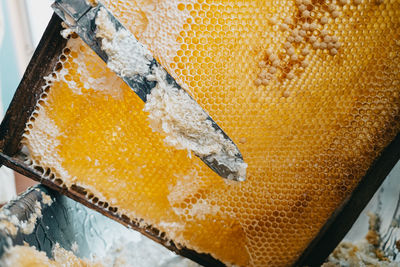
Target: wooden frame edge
[(149, 231), (342, 219), (21, 107)]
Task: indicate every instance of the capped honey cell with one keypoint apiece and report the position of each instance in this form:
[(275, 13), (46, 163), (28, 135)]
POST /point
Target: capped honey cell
[(308, 90)]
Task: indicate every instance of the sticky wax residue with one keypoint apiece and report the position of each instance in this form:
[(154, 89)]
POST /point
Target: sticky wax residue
[(185, 123), (25, 256), (364, 252), (46, 199), (11, 224), (126, 56), (24, 226), (120, 254), (8, 227), (92, 2), (171, 110)]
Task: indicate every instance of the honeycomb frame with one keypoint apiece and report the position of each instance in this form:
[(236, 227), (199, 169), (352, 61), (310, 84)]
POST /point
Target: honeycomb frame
[(77, 189), (13, 155)]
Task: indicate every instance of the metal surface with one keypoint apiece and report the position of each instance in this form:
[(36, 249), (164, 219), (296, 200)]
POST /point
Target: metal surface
[(12, 127), (386, 205), (79, 195), (81, 18), (347, 213), (79, 229)]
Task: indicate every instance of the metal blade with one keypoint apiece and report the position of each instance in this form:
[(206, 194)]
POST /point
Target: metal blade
[(81, 16)]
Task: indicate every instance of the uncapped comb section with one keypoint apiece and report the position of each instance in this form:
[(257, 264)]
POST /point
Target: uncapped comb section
[(309, 90)]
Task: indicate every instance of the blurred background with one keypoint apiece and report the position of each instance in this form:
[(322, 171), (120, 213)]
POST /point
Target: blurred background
[(22, 23)]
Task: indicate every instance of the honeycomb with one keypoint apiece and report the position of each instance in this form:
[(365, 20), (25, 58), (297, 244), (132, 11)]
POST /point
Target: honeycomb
[(308, 90)]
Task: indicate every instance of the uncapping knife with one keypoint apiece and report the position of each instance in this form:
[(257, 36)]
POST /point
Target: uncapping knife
[(80, 16)]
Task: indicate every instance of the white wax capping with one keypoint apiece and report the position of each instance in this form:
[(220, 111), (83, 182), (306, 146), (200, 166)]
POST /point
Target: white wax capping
[(12, 224), (172, 110), (46, 199), (186, 125), (66, 33), (363, 252), (126, 56), (184, 122), (236, 166)]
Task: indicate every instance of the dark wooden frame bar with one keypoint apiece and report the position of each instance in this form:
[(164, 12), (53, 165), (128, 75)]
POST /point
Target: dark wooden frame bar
[(11, 129), (344, 216), (23, 104)]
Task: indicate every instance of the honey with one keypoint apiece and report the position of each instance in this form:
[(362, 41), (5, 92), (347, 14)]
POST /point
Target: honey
[(308, 90)]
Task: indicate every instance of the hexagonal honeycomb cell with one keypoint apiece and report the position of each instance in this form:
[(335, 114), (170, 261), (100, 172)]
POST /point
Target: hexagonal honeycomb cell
[(308, 89)]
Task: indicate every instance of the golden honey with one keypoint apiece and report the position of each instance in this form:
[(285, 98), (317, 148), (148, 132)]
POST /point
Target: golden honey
[(308, 90)]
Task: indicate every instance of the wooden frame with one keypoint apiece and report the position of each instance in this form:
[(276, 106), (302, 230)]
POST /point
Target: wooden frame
[(11, 129), (23, 104)]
